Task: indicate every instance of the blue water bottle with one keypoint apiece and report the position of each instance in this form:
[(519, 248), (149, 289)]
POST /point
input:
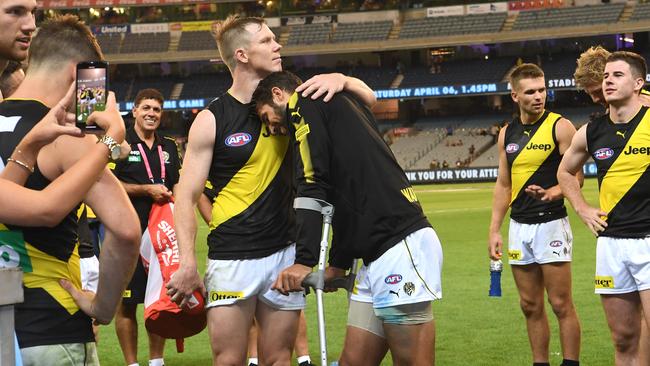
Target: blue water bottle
[(495, 277)]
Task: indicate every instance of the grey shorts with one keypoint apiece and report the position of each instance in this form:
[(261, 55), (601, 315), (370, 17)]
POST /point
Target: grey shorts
[(69, 354)]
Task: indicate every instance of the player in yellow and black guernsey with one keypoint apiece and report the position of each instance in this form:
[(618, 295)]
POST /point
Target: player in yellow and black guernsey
[(340, 157), (43, 254), (253, 203), (539, 238), (589, 77), (620, 144)]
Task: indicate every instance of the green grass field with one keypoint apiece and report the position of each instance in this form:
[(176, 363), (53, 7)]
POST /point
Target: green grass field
[(471, 328)]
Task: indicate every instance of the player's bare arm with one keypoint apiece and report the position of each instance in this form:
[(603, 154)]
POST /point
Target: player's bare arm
[(500, 201), (330, 84), (120, 247), (564, 131), (111, 204), (567, 175), (190, 187)]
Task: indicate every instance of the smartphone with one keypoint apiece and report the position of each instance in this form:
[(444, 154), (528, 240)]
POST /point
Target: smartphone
[(91, 92)]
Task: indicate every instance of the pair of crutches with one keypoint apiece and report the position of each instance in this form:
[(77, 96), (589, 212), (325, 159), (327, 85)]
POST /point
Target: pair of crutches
[(316, 280)]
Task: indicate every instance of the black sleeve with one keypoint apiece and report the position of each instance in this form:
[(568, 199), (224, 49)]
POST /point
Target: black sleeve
[(312, 159), (339, 257)]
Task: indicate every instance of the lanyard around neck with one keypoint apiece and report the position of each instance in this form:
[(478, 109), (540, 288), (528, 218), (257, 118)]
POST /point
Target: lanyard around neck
[(148, 167)]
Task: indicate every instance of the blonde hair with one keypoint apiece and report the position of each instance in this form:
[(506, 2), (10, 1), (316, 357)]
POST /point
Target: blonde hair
[(525, 71), (591, 66), (232, 34)]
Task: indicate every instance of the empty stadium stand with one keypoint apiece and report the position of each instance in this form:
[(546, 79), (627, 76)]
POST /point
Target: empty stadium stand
[(460, 72), (641, 12), (121, 89), (568, 16), (198, 40), (306, 34), (110, 43), (461, 24), (449, 150), (163, 84), (145, 42), (205, 85), (409, 149), (560, 65), (360, 32), (489, 157)]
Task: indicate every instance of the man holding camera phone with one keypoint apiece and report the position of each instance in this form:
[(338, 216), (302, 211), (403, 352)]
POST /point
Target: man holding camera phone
[(149, 175), (49, 324)]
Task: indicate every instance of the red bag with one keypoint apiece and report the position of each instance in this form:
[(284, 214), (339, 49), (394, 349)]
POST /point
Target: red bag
[(159, 254)]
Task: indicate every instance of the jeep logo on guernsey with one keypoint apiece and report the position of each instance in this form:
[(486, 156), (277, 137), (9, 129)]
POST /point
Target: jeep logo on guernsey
[(393, 279), (512, 148), (544, 147), (643, 150), (604, 153), (238, 139), (555, 243)]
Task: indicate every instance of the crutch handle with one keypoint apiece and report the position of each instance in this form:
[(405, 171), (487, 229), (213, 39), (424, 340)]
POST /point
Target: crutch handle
[(315, 280), (346, 282)]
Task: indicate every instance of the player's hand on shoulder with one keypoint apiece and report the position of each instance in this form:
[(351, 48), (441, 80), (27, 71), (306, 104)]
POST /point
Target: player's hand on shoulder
[(328, 84)]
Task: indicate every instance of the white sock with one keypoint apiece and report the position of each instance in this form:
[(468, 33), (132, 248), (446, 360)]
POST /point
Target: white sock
[(253, 360), (304, 358), (134, 364), (157, 362)]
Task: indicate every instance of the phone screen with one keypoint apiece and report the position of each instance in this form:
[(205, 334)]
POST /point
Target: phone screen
[(91, 93)]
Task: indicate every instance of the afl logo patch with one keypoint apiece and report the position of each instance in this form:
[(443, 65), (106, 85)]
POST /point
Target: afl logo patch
[(393, 279), (604, 153), (555, 243), (512, 148), (238, 139)]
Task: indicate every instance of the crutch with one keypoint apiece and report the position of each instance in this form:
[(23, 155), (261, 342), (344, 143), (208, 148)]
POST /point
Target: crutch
[(346, 282), (317, 279)]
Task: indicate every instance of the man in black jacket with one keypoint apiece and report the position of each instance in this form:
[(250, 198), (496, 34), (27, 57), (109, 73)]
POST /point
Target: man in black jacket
[(341, 158)]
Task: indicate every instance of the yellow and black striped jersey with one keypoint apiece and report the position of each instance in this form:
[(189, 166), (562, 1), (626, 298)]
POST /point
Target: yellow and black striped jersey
[(622, 155), (252, 214), (645, 92), (48, 315), (340, 157), (533, 158)]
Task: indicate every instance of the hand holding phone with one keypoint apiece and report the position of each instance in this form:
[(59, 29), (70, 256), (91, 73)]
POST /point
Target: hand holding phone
[(91, 92)]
